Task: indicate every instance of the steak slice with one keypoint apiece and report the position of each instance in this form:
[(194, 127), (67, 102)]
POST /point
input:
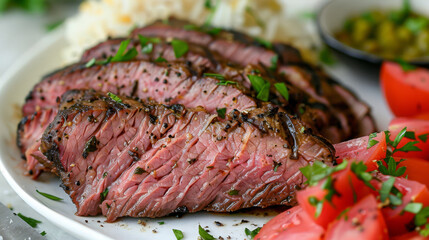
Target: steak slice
[(317, 115), (128, 158), (243, 50)]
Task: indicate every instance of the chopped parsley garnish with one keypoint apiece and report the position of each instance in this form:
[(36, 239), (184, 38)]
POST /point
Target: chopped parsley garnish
[(371, 140), (178, 234), (145, 40), (147, 48), (30, 221), (43, 233), (274, 62), (52, 26), (114, 97), (261, 87), (103, 195), (221, 112), (416, 24), (161, 223), (317, 203), (226, 82), (139, 171), (386, 188), (359, 169), (413, 207), (326, 57), (276, 165), (160, 59), (204, 234), (421, 217), (208, 4), (282, 89), (264, 94), (252, 233), (121, 55), (406, 67), (233, 192), (205, 29), (90, 63), (105, 174), (215, 75), (423, 137), (265, 43), (180, 47), (319, 171), (47, 195), (308, 15)]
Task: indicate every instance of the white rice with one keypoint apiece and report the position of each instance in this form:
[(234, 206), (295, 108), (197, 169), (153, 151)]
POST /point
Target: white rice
[(99, 19)]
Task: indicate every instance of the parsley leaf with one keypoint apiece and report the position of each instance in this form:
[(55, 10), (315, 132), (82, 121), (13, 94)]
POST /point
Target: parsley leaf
[(180, 47), (90, 63), (233, 192), (103, 195), (264, 94), (371, 141), (406, 67), (326, 57), (274, 62), (416, 24), (386, 188), (121, 55), (359, 169), (226, 82), (221, 112), (147, 48), (30, 221), (204, 234), (413, 207), (423, 137), (46, 195), (265, 43), (282, 89), (161, 223), (252, 233), (178, 234), (52, 26), (43, 233), (257, 82), (317, 203), (421, 217), (318, 171), (215, 75), (114, 97), (212, 8), (160, 59)]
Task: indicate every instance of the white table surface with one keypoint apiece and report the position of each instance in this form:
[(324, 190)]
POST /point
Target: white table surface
[(19, 31)]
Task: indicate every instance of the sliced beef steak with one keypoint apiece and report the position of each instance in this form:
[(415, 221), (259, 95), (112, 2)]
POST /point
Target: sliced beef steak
[(318, 115), (128, 158), (243, 50)]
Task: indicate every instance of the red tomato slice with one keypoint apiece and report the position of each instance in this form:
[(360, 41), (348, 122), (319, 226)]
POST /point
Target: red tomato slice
[(350, 189), (423, 116), (421, 129), (291, 224), (417, 170), (363, 221), (407, 93), (397, 220), (410, 236), (358, 149)]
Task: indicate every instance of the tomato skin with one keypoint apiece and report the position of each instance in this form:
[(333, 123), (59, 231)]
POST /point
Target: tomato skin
[(405, 92), (420, 127), (291, 224), (364, 221), (356, 149), (410, 236), (397, 220), (348, 187), (417, 169)]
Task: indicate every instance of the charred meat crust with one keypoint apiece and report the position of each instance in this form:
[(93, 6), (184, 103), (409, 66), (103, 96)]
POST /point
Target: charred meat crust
[(265, 122)]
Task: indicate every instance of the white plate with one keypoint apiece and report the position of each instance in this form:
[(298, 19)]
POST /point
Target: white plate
[(45, 57)]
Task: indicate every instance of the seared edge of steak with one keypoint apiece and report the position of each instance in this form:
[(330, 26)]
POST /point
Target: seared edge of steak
[(102, 148)]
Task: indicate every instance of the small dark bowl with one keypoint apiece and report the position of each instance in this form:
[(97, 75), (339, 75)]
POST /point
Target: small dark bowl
[(333, 14)]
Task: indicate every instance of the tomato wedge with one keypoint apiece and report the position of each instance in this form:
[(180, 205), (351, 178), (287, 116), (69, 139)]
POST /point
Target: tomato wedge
[(363, 221), (350, 189), (407, 93), (357, 149), (410, 236), (396, 218), (291, 224), (420, 128), (417, 169)]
